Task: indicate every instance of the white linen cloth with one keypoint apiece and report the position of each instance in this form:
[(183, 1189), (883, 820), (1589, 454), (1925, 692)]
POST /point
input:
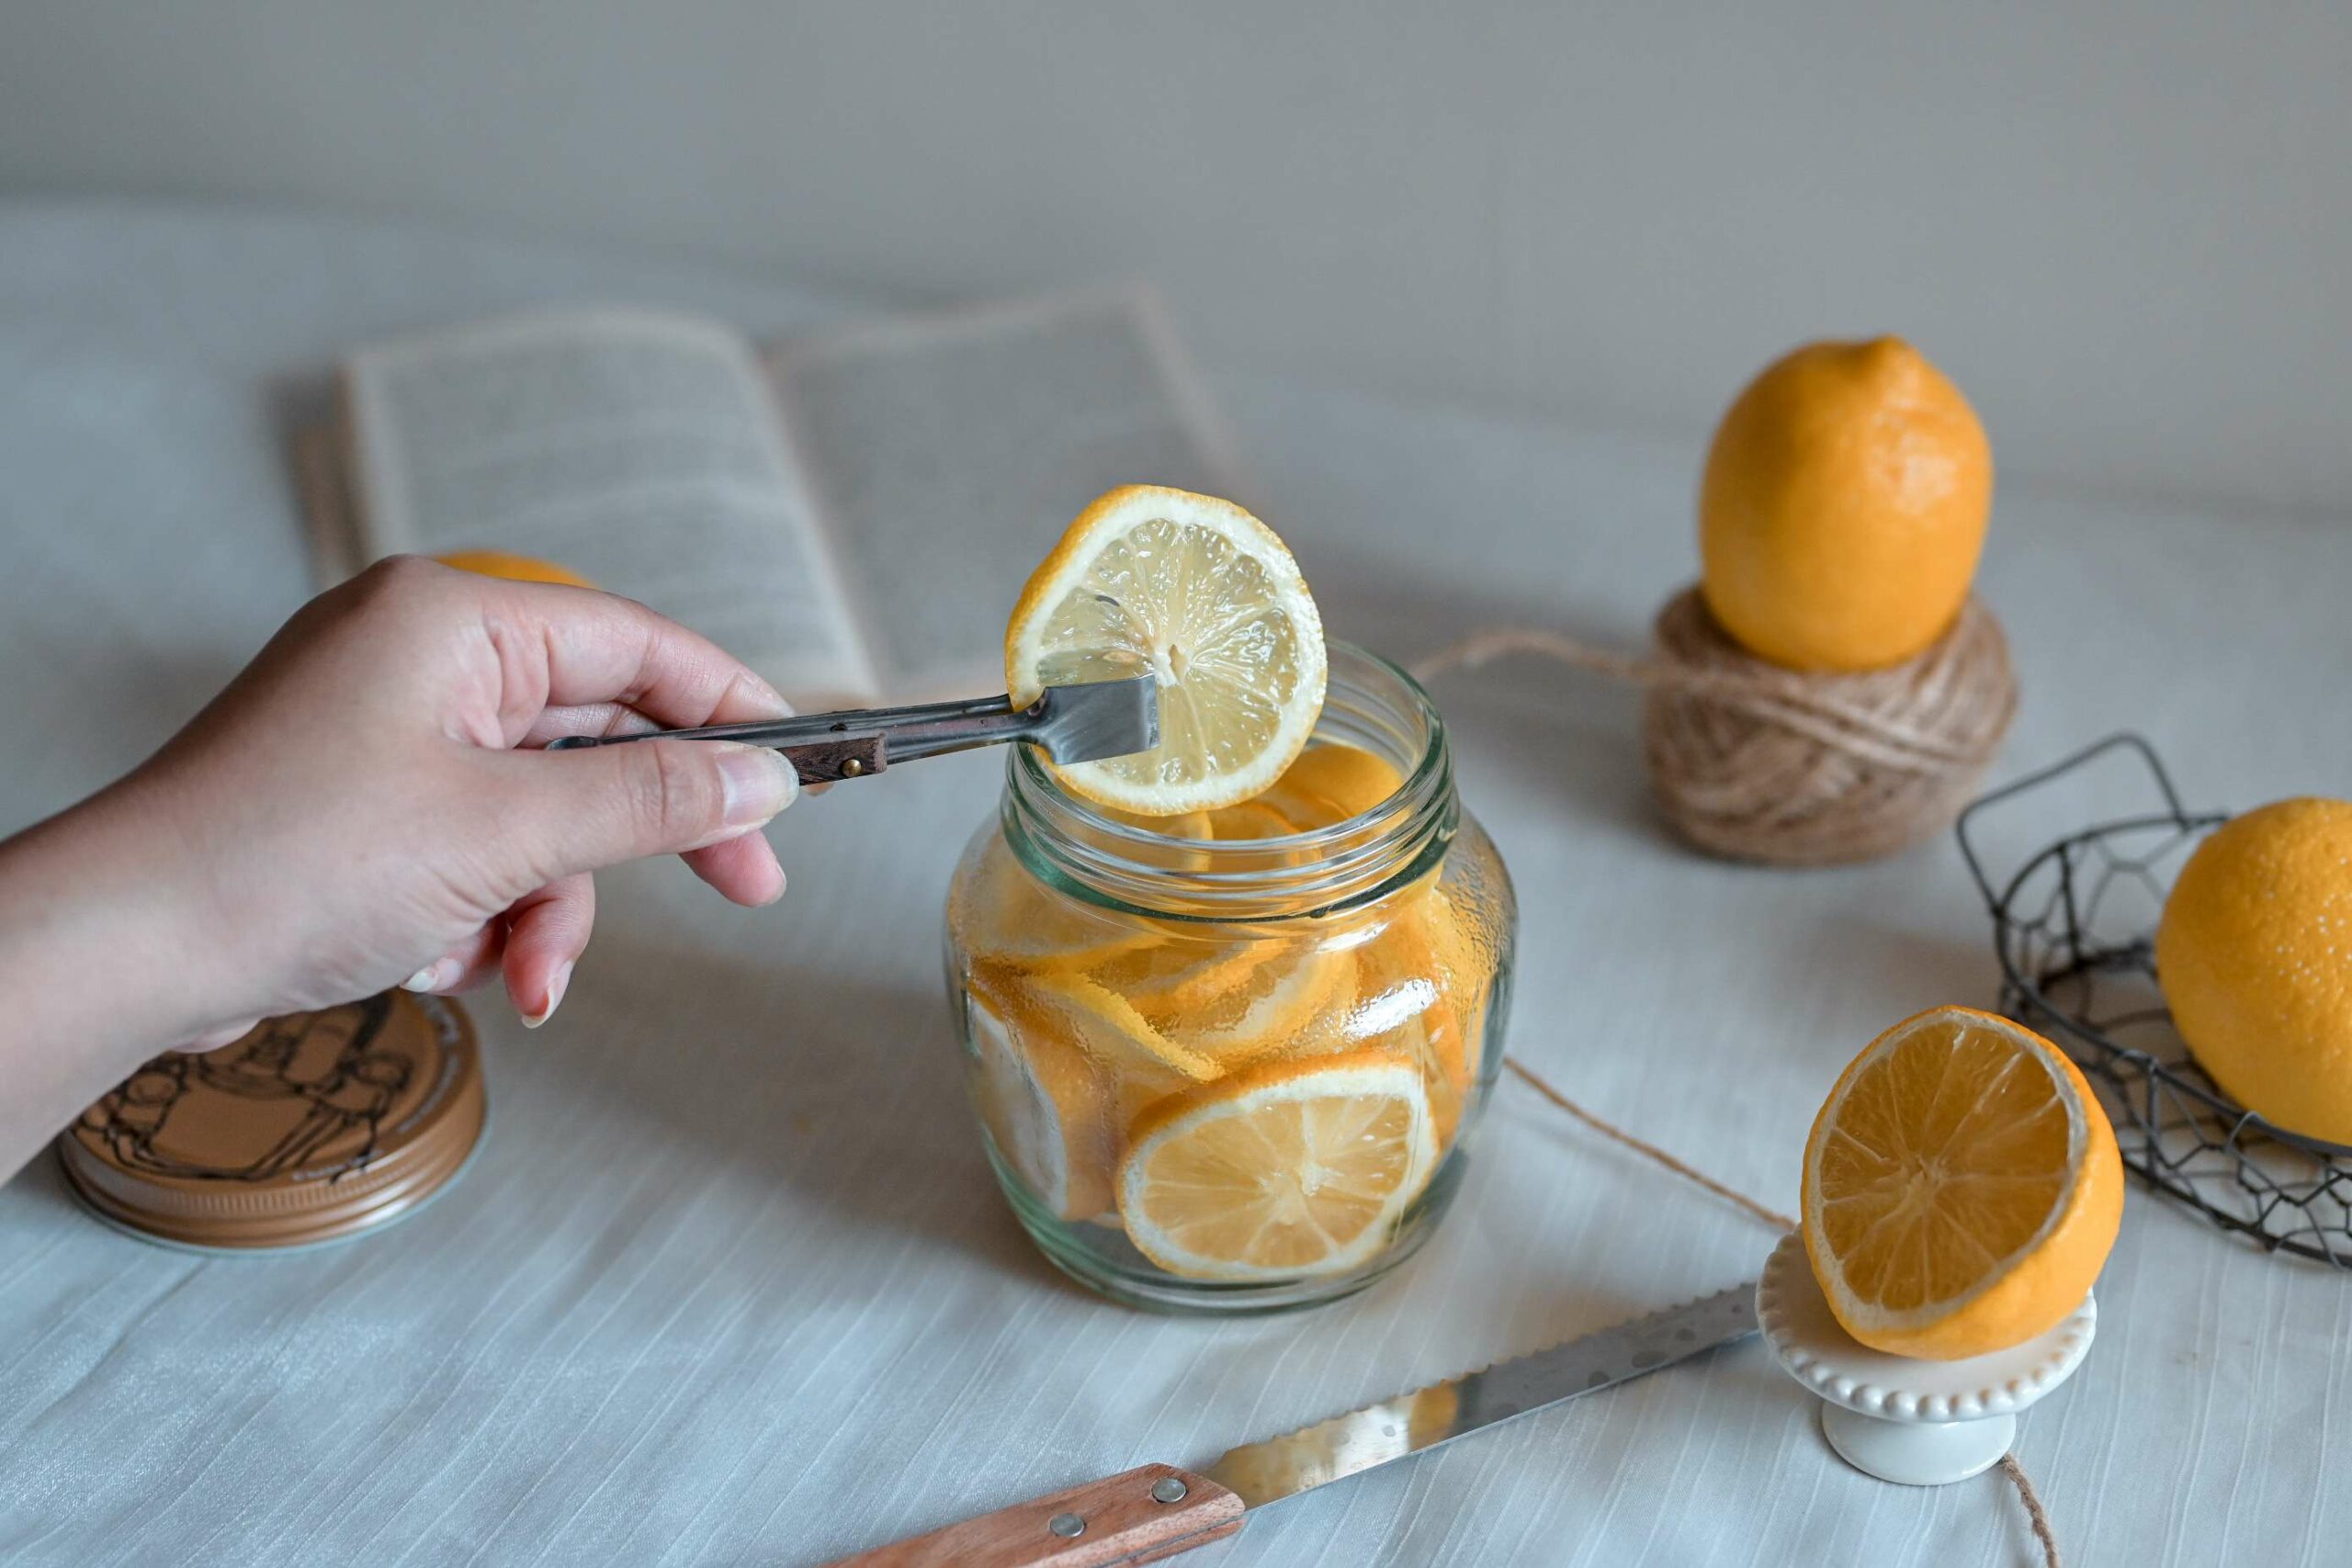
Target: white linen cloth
[(730, 1281)]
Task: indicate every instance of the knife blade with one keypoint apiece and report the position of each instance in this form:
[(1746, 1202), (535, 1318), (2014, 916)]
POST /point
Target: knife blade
[(1158, 1511)]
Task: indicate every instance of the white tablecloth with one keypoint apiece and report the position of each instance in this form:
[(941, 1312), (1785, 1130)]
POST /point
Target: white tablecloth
[(730, 1283)]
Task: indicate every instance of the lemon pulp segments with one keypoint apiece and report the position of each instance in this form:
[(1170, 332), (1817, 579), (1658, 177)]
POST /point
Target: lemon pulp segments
[(1936, 1125)]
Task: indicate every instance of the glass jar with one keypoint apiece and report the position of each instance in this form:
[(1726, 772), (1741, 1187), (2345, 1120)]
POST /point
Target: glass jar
[(1235, 1073)]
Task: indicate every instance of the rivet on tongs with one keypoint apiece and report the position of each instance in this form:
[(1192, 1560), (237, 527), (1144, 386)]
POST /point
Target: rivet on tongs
[(1168, 1489), (1066, 1525)]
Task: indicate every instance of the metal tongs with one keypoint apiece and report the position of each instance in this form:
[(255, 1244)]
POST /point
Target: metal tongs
[(1076, 723)]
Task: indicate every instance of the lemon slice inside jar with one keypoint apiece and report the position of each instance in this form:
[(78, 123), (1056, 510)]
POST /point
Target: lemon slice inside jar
[(1289, 1170), (1288, 1005), (1106, 1027), (1000, 916), (1045, 1110), (1210, 601), (1177, 977), (1401, 1005)]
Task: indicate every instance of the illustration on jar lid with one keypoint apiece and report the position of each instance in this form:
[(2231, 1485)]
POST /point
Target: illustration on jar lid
[(312, 1127)]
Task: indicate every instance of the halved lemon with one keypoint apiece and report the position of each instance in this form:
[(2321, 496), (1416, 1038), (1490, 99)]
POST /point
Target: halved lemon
[(1291, 1169), (1000, 915), (1962, 1188), (1203, 596), (1045, 1110)]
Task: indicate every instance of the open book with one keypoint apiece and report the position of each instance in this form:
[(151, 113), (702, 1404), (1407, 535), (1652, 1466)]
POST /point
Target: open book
[(851, 514)]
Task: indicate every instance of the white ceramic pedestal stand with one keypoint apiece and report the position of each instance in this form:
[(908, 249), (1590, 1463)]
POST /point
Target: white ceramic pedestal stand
[(1920, 1422)]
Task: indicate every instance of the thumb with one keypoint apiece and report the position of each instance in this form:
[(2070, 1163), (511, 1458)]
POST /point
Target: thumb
[(598, 805)]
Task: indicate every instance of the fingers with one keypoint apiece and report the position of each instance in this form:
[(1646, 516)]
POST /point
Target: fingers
[(547, 932), (607, 718), (589, 663), (464, 966), (744, 871), (532, 945), (584, 718), (598, 648), (574, 811)]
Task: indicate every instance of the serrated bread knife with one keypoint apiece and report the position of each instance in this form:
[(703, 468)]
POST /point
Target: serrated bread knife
[(1158, 1510)]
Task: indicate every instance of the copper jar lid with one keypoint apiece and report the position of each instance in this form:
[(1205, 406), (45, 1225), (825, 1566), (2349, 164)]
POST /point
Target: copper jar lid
[(313, 1127)]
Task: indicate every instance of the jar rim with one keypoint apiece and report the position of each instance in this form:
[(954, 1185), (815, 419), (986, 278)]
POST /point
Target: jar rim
[(1073, 843)]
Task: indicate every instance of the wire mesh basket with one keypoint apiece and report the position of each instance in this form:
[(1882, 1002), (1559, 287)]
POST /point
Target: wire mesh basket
[(2074, 928)]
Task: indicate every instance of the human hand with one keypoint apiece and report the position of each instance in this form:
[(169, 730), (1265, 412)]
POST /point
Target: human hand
[(365, 807)]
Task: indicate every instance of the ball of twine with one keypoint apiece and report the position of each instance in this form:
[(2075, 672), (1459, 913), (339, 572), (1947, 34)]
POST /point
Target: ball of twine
[(1756, 762), (1760, 763)]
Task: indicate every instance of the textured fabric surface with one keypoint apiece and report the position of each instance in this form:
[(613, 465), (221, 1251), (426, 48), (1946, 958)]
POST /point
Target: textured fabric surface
[(729, 1282)]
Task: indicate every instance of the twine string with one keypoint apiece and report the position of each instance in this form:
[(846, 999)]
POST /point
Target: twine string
[(1787, 700), (2033, 1512), (1534, 1080), (1761, 762), (1757, 761), (2036, 1516)]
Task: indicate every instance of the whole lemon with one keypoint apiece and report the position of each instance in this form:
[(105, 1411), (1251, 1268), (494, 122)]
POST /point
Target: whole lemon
[(2255, 952), (513, 568), (1843, 507)]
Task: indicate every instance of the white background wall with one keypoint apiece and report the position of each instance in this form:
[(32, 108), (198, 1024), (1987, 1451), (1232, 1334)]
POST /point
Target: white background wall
[(2124, 227)]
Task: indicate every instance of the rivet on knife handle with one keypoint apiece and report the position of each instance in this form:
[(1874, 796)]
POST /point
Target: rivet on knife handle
[(851, 757), (1147, 1513)]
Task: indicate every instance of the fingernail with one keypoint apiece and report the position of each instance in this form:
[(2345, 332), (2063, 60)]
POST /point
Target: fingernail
[(432, 977), (758, 783), (557, 982)]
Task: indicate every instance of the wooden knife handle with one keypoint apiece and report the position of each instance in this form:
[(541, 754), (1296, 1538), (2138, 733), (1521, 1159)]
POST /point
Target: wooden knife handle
[(848, 756), (1147, 1513)]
